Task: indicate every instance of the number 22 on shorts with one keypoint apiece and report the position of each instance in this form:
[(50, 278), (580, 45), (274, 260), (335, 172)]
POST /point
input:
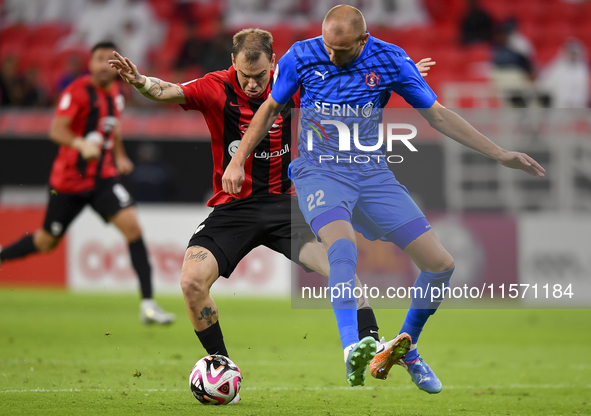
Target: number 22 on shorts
[(319, 195)]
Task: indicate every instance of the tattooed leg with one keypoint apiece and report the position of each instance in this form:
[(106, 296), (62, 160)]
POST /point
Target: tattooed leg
[(200, 271)]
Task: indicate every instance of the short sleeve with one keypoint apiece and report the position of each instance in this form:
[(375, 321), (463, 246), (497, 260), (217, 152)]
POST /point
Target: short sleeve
[(411, 86), (286, 81), (70, 102), (200, 93)]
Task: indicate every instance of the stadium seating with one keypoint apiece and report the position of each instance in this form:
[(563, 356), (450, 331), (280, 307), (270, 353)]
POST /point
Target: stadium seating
[(547, 23)]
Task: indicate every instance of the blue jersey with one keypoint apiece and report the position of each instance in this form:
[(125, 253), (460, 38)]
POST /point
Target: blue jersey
[(353, 95)]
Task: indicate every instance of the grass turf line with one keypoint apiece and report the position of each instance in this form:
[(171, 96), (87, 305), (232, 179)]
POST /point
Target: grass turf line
[(56, 359)]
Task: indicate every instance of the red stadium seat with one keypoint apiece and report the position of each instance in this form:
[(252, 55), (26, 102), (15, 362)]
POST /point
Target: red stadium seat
[(478, 53), (39, 56), (560, 11), (450, 59), (163, 9), (445, 11), (524, 11), (48, 34), (283, 38), (396, 37), (10, 50), (15, 36), (583, 33), (311, 31), (447, 33), (532, 30), (203, 12), (553, 32), (499, 10), (547, 52)]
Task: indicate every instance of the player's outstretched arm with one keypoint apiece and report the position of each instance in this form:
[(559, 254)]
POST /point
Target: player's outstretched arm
[(153, 88), (454, 126), (260, 125)]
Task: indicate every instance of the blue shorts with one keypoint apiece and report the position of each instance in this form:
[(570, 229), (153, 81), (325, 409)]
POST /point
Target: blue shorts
[(375, 203)]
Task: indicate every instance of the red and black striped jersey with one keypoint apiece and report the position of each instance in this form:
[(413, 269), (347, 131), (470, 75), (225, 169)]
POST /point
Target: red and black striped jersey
[(228, 113), (94, 113)]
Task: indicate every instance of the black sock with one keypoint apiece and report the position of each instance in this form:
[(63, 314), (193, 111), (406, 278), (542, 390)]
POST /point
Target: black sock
[(20, 248), (366, 324), (213, 340), (139, 259)]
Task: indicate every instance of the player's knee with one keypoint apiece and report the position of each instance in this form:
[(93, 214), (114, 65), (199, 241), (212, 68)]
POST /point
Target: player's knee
[(133, 233), (46, 245), (44, 242), (194, 284), (443, 264)]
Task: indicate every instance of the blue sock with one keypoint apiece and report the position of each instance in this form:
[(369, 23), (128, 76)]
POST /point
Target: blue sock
[(421, 308), (342, 256)]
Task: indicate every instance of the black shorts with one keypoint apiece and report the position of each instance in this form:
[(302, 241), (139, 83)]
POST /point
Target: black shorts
[(233, 229), (107, 198)]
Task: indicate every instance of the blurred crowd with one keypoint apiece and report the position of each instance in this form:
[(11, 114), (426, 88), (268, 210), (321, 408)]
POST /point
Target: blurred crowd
[(562, 83), (44, 43)]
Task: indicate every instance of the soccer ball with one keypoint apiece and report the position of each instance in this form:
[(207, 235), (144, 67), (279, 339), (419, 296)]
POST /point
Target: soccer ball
[(215, 379)]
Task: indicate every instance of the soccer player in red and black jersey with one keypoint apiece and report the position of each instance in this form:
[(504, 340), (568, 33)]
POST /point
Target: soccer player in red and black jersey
[(261, 214), (86, 171)]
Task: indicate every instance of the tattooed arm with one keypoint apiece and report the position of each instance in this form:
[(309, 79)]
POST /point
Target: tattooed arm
[(161, 91)]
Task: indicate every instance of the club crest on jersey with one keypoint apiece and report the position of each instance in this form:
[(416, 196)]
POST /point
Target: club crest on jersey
[(372, 79)]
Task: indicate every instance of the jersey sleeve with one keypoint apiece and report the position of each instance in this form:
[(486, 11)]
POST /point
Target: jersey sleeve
[(70, 102), (200, 93), (411, 86), (286, 80)]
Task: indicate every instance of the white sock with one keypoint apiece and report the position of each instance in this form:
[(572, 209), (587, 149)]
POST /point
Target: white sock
[(347, 350)]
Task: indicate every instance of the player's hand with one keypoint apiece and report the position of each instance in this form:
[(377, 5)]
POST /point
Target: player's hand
[(516, 160), (424, 66), (127, 70), (124, 165), (233, 178), (88, 150)]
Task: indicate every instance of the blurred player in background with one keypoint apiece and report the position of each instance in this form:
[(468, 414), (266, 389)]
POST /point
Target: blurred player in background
[(347, 67), (86, 171), (262, 213)]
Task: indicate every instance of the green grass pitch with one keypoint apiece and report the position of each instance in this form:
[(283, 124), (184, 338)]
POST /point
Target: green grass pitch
[(57, 359)]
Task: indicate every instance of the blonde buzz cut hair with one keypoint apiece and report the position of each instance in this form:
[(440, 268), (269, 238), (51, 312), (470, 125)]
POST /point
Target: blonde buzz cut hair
[(253, 42)]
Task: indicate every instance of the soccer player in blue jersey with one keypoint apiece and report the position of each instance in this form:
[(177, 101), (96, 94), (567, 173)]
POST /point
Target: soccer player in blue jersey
[(348, 74)]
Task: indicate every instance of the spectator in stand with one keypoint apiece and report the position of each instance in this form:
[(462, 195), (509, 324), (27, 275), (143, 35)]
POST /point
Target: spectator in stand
[(241, 13), (193, 50), (23, 11), (477, 25), (63, 11), (210, 54), (8, 81), (566, 78), (97, 23), (512, 71), (130, 23), (137, 30), (517, 41), (400, 14), (74, 69), (30, 94), (219, 52), (19, 91), (505, 56)]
